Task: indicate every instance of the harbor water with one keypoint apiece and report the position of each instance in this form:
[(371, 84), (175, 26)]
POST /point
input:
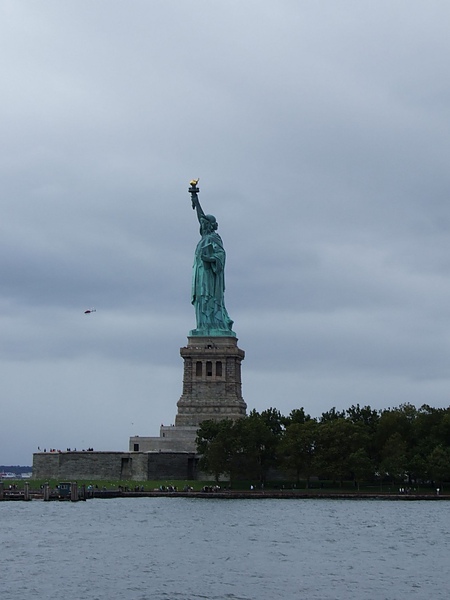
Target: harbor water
[(184, 549)]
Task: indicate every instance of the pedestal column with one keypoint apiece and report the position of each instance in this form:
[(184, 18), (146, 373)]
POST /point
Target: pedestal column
[(212, 384)]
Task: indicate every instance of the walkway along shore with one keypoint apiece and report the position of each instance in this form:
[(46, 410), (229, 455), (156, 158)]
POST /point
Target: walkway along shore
[(270, 494), (82, 493)]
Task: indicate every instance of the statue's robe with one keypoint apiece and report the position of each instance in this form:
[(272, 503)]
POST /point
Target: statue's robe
[(208, 286)]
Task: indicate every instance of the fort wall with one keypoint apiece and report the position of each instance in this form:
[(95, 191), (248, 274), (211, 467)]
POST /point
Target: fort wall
[(115, 466)]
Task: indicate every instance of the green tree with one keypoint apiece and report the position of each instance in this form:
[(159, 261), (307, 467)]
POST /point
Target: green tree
[(444, 428), (273, 420), (332, 415), (396, 424), (337, 440), (427, 430), (216, 445), (365, 415), (418, 466), (394, 457), (439, 465), (297, 415), (244, 449), (361, 466), (397, 420), (368, 419), (258, 443), (297, 448)]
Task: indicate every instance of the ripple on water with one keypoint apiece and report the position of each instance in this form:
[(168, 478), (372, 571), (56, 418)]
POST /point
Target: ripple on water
[(185, 549)]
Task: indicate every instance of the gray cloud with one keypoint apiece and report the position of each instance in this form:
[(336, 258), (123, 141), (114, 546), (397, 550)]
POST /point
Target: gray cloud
[(320, 134)]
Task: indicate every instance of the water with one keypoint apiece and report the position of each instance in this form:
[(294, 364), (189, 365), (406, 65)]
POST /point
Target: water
[(185, 549)]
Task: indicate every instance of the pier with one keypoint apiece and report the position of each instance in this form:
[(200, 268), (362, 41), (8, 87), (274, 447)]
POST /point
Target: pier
[(45, 493)]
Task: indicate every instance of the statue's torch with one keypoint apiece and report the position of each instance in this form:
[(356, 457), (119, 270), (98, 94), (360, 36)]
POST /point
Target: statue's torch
[(194, 190)]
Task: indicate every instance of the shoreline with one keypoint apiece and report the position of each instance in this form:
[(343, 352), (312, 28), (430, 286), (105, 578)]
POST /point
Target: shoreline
[(271, 494), (86, 494)]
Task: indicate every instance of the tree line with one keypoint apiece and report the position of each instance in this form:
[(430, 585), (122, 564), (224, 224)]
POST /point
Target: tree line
[(359, 444)]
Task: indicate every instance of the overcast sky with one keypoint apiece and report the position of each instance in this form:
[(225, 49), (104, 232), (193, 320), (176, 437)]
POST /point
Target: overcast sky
[(320, 131)]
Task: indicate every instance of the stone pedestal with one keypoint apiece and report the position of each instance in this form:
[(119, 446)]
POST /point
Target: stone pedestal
[(212, 384), (212, 390)]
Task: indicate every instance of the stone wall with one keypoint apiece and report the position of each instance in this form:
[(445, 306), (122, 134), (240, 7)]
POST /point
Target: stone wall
[(171, 439), (171, 465), (114, 466)]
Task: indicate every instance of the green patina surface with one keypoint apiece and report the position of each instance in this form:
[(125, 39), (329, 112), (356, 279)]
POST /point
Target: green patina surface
[(208, 277)]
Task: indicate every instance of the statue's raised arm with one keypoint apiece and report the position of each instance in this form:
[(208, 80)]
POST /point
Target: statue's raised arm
[(208, 278), (193, 190)]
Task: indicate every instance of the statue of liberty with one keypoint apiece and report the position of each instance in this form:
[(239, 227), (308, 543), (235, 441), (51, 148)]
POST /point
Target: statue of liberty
[(208, 276)]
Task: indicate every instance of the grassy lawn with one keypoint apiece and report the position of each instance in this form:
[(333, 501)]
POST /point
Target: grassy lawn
[(323, 487)]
